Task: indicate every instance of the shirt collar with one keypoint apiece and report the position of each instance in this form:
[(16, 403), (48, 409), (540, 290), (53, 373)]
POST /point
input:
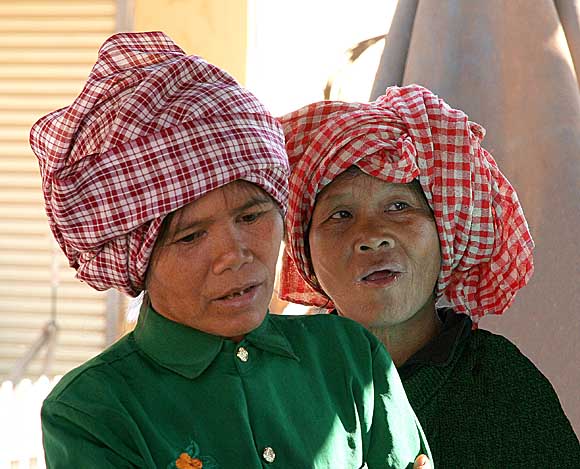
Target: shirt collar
[(189, 352), (269, 337)]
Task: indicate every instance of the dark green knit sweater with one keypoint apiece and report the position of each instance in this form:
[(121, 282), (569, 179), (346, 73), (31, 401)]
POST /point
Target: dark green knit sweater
[(483, 404)]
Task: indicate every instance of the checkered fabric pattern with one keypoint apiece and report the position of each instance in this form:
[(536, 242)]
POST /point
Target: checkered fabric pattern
[(152, 130), (409, 133)]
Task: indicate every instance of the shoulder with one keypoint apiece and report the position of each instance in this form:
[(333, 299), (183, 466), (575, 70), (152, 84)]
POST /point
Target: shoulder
[(325, 327), (95, 375), (500, 353), (340, 351), (516, 395), (494, 383), (505, 369), (328, 335), (316, 321)]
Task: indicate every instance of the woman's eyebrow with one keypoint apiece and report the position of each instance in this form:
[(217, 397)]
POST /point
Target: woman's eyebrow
[(252, 202), (332, 199), (189, 225)]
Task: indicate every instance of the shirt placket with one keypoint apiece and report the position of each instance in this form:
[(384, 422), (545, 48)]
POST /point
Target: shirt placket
[(246, 357)]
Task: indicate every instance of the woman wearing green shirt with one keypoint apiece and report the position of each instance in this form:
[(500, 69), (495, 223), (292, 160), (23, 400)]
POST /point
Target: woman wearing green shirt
[(165, 175), (400, 220)]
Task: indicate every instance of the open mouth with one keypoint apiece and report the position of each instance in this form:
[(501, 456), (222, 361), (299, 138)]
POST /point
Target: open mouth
[(380, 275), (238, 293), (241, 294)]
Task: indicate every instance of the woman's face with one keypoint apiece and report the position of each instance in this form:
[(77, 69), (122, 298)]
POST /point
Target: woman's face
[(375, 249), (214, 270)]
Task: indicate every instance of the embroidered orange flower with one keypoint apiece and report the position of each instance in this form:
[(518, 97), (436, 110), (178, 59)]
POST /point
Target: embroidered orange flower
[(185, 461)]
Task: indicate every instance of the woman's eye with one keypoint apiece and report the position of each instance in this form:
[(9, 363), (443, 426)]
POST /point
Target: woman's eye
[(251, 217), (191, 237), (341, 214), (398, 206)]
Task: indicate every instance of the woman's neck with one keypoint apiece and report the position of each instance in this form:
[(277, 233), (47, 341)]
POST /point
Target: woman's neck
[(405, 339)]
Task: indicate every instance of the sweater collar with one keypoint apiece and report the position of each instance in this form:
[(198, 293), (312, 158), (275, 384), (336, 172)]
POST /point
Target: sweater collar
[(189, 352), (441, 350)]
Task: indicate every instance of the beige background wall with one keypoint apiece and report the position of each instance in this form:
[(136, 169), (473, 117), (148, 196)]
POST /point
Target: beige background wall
[(213, 29), (282, 50)]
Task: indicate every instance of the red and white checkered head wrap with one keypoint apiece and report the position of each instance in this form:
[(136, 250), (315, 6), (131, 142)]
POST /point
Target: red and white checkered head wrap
[(152, 130), (409, 133)]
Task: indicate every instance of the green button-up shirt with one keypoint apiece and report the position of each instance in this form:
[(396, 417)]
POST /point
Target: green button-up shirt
[(297, 392)]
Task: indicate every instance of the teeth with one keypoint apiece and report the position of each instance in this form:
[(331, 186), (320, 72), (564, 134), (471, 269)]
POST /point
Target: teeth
[(234, 295)]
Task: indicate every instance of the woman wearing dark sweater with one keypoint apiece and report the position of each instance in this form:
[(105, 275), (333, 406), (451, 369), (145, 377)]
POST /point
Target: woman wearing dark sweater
[(400, 220)]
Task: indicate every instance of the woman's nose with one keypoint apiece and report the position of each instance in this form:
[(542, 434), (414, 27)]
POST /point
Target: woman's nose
[(374, 242), (231, 253)]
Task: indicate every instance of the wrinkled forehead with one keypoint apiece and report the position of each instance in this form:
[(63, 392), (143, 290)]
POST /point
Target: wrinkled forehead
[(344, 180), (229, 196)]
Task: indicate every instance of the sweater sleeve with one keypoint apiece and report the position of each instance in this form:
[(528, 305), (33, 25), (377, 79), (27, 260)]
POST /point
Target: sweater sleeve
[(73, 438), (396, 436)]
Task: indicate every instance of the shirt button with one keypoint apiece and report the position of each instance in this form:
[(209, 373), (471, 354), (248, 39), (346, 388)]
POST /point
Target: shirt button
[(268, 454), (242, 354)]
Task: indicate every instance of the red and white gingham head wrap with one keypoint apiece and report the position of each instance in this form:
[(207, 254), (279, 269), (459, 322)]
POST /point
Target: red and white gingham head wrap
[(152, 130), (409, 133)]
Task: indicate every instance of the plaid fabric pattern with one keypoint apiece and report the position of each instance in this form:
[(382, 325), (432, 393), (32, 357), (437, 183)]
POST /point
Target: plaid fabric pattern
[(152, 130), (409, 133)]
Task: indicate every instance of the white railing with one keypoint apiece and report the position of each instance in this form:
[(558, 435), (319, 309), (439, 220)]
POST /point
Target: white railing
[(20, 435)]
